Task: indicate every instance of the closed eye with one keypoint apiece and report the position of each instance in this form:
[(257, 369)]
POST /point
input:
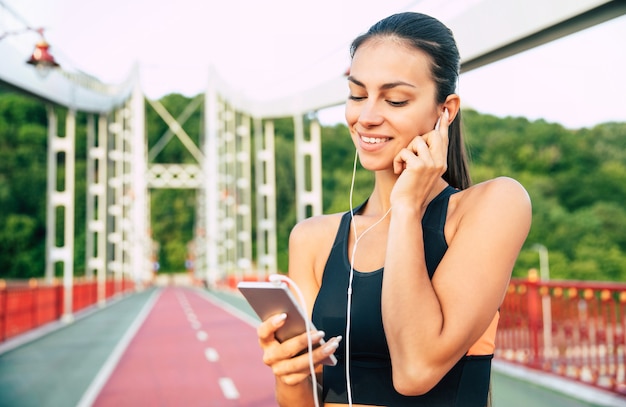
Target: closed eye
[(356, 98), (398, 104)]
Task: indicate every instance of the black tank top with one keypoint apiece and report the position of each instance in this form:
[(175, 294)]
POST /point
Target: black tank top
[(465, 385)]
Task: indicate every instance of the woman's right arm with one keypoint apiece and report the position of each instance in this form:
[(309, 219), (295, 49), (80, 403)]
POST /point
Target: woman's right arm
[(293, 376), (292, 373)]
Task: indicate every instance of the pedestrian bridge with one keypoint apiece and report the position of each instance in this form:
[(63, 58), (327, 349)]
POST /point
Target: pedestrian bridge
[(115, 337), (184, 345), (558, 342)]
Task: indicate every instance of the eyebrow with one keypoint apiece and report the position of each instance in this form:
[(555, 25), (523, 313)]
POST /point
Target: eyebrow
[(385, 86)]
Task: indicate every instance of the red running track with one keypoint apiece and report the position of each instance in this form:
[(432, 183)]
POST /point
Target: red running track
[(190, 352)]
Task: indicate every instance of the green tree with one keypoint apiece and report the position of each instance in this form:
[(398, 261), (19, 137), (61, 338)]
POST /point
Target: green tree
[(575, 179)]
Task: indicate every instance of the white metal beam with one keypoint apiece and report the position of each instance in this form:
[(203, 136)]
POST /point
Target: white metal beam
[(63, 199), (210, 168), (308, 156), (265, 197), (492, 30), (485, 30), (139, 240)]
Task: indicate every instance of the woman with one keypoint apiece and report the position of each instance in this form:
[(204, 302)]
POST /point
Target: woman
[(427, 258)]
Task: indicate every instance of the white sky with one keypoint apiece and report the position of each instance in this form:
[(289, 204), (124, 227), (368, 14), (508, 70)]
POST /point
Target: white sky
[(271, 47)]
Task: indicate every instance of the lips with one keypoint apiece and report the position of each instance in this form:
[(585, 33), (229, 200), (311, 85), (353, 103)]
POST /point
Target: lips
[(374, 140), (372, 143)]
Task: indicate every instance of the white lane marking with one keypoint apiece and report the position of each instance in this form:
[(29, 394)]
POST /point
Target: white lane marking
[(89, 397), (228, 388), (211, 355), (202, 336), (231, 309)]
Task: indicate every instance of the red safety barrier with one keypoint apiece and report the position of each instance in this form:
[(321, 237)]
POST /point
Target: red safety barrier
[(28, 305), (569, 328), (84, 294)]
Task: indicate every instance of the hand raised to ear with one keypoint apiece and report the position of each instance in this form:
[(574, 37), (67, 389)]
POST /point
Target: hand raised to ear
[(421, 165), (430, 148)]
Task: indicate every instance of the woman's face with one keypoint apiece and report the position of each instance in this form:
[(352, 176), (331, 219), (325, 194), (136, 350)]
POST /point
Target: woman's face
[(392, 100)]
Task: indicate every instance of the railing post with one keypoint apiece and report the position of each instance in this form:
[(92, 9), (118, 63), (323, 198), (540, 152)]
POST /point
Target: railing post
[(34, 293), (620, 345), (534, 317), (3, 310)]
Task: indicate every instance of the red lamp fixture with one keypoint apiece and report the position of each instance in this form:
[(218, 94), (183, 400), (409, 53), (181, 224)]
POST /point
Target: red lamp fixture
[(41, 57)]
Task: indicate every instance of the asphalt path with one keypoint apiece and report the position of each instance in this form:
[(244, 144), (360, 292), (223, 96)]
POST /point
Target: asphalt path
[(175, 346)]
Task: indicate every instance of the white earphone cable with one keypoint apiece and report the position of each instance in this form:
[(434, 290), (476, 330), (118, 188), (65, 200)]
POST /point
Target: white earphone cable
[(349, 305), (291, 283), (351, 277)]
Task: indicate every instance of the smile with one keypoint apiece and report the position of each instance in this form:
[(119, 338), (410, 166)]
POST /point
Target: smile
[(374, 140)]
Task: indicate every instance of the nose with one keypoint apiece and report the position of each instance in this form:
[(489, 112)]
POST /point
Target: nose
[(370, 114)]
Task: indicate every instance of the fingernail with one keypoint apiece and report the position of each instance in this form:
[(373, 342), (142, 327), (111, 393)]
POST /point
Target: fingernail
[(446, 112), (279, 318), (331, 346), (319, 335)]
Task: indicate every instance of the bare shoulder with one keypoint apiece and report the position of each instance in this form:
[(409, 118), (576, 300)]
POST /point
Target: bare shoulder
[(315, 228), (314, 235), (500, 199), (499, 190), (310, 243)]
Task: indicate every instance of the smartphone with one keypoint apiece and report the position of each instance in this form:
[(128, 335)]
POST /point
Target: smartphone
[(271, 298)]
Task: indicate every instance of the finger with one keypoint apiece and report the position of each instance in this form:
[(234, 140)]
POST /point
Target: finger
[(293, 379), (437, 147), (267, 329), (400, 160), (420, 148), (445, 125), (299, 343), (407, 159), (292, 347), (437, 139), (416, 148), (445, 121), (301, 364)]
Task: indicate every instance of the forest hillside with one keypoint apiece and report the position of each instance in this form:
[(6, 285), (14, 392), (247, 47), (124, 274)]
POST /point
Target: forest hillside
[(576, 180)]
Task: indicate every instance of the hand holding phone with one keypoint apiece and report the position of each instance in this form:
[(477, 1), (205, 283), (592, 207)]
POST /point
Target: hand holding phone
[(272, 298)]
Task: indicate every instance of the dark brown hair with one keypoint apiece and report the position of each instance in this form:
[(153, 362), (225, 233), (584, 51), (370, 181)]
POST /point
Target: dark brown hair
[(435, 39)]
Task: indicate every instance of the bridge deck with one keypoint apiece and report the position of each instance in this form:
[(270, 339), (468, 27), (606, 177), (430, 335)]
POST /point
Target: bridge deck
[(170, 347)]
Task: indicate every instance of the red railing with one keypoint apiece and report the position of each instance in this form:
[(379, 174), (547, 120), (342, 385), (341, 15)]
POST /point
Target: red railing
[(569, 328), (28, 305)]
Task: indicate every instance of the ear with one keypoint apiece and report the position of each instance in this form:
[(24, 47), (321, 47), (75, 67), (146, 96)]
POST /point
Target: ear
[(453, 104)]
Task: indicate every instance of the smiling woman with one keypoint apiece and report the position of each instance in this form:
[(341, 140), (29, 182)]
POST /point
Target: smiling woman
[(416, 332)]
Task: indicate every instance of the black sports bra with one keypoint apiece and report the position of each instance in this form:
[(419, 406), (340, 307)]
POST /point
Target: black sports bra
[(466, 384)]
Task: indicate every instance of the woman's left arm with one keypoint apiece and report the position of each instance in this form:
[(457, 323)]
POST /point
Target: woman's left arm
[(430, 325)]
